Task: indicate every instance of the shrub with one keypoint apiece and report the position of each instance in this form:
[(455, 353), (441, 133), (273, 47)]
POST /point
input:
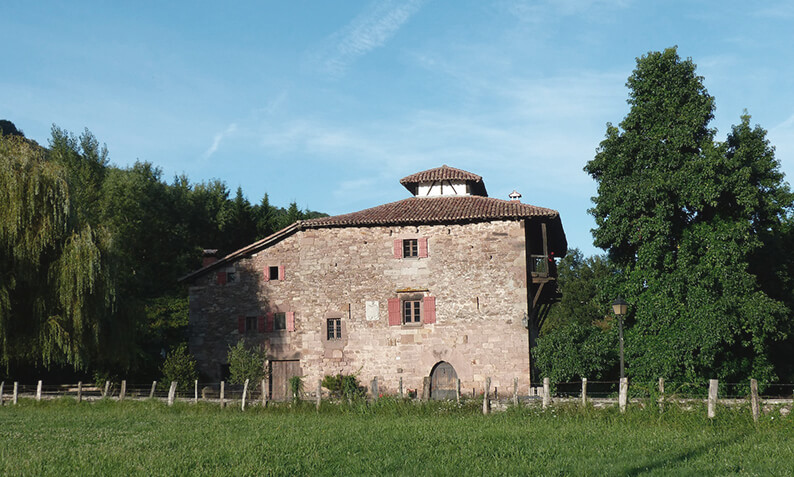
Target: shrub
[(296, 387), (344, 385), (246, 363), (179, 366)]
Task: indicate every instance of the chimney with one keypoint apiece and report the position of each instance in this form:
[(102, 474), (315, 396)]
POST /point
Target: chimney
[(515, 195), (209, 256)]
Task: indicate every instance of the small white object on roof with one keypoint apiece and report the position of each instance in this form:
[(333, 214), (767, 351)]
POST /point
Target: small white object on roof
[(514, 195)]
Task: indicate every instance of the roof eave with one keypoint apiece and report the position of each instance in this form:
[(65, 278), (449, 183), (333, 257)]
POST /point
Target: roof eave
[(247, 250)]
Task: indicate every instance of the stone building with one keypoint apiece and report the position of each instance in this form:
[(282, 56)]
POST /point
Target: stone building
[(448, 283)]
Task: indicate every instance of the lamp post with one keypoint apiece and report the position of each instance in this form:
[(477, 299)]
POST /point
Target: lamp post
[(619, 307)]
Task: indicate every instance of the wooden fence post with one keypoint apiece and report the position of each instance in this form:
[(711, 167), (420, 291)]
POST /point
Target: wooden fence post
[(623, 394), (712, 404), (123, 389), (107, 388), (754, 404), (38, 391), (151, 393), (223, 392), (584, 391), (195, 391), (374, 388), (79, 391), (319, 397), (401, 387), (546, 392), (172, 393), (486, 398), (661, 394), (264, 393), (515, 391), (245, 392), (16, 392), (2, 385), (457, 391)]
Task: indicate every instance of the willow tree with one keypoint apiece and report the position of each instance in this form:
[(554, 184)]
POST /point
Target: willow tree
[(56, 293), (686, 219)]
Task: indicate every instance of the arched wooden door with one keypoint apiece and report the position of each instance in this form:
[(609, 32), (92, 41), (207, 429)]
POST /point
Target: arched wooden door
[(443, 381)]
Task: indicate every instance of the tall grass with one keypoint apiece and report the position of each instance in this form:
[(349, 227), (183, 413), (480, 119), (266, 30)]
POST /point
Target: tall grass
[(390, 437)]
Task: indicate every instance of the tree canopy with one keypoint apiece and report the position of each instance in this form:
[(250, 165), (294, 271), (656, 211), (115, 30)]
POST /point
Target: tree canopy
[(91, 253), (690, 223)]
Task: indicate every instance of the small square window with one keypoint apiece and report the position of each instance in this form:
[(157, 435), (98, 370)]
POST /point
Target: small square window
[(273, 273), (280, 321), (410, 248), (411, 311), (250, 323), (231, 276), (334, 328)]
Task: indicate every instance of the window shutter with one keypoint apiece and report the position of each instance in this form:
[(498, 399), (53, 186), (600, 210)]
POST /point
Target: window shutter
[(269, 318), (398, 248), (267, 273), (221, 278), (423, 247), (281, 272), (260, 323), (429, 305), (290, 321), (394, 312), (241, 324)]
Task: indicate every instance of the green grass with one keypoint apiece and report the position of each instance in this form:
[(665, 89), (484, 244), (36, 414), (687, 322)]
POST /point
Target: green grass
[(148, 438)]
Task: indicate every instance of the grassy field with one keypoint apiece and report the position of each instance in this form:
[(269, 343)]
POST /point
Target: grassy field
[(149, 438)]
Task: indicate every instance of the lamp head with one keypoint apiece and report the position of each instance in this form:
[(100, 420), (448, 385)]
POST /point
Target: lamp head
[(619, 306)]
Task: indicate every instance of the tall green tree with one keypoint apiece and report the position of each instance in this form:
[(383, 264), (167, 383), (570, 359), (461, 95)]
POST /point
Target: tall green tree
[(577, 340), (686, 220), (57, 293), (586, 286)]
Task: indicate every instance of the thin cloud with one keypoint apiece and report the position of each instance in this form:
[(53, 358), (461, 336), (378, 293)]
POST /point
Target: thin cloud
[(216, 141), (369, 30)]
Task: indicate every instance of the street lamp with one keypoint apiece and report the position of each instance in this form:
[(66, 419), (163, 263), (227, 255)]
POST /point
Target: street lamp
[(619, 307)]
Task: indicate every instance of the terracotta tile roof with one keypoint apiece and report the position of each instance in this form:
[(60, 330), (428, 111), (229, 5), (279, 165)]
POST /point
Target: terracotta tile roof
[(443, 173), (417, 210)]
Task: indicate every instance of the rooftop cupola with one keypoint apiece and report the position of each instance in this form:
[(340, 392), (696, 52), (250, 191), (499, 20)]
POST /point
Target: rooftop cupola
[(444, 181)]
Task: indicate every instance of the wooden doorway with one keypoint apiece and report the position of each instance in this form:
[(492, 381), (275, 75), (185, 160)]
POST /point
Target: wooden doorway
[(280, 373), (443, 381)]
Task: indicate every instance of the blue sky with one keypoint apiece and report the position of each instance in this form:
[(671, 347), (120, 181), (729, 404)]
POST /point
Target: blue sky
[(331, 103)]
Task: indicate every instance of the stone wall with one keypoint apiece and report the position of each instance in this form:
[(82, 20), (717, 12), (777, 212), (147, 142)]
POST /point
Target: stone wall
[(476, 272)]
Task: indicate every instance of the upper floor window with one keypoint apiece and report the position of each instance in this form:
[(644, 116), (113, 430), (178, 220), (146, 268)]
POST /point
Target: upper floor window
[(250, 324), (412, 247), (280, 321), (228, 275), (334, 328), (274, 273), (412, 311)]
